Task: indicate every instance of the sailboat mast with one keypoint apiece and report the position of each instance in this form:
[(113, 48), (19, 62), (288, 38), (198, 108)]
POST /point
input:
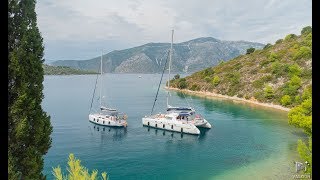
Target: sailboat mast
[(100, 79), (169, 68)]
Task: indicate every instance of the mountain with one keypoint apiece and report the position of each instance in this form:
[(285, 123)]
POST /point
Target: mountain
[(279, 73), (188, 56), (63, 70)]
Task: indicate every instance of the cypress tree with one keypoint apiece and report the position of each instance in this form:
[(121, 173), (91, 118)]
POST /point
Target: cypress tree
[(29, 127)]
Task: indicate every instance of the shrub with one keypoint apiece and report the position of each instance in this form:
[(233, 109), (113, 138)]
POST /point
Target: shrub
[(285, 100), (250, 50), (290, 36), (279, 41), (268, 92), (177, 76), (207, 79), (234, 78), (76, 171), (291, 87), (267, 46), (182, 83), (273, 57), (216, 80), (195, 87), (294, 70), (306, 30), (304, 52)]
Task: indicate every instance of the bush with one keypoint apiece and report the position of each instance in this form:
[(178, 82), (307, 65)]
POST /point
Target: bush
[(285, 100), (182, 83), (250, 50), (177, 76), (267, 46), (268, 92), (234, 78), (294, 70), (216, 80), (195, 87), (291, 87), (77, 171), (304, 52), (290, 36), (279, 41), (207, 79), (273, 57), (306, 30)]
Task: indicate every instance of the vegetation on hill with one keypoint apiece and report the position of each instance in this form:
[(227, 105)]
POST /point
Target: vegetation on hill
[(77, 171), (63, 70), (29, 127), (279, 74)]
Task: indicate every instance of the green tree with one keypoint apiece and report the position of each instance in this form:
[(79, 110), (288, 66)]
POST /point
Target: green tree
[(216, 80), (29, 127), (268, 92), (267, 46), (76, 171), (177, 76), (306, 30), (285, 100), (250, 50)]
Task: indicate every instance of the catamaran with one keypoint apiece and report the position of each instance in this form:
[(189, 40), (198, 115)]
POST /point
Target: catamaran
[(107, 116), (179, 119)]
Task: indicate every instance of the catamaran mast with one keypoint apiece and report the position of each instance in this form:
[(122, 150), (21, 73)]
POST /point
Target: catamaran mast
[(169, 69), (100, 79)]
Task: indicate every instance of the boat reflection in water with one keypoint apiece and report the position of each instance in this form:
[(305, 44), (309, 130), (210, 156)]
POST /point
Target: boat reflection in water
[(108, 132), (177, 135)]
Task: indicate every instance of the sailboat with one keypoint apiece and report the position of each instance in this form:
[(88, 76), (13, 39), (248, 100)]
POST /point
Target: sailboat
[(107, 116), (178, 119)]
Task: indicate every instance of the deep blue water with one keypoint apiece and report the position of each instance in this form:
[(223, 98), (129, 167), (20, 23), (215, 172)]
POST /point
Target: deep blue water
[(242, 136)]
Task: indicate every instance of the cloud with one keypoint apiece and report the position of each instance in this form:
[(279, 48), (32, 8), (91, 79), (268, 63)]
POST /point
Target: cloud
[(78, 29)]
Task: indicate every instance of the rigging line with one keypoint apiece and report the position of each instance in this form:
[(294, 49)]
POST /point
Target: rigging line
[(93, 93), (164, 68)]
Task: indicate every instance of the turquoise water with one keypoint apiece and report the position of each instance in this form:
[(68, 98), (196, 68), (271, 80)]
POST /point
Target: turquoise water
[(244, 143)]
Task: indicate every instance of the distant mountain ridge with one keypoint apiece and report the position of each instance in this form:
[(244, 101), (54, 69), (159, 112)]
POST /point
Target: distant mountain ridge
[(188, 56)]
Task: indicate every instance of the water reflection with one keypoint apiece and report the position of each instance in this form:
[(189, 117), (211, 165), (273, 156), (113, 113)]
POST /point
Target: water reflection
[(177, 135), (106, 132)]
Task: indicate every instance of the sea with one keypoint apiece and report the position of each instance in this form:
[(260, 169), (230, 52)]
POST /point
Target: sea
[(245, 141)]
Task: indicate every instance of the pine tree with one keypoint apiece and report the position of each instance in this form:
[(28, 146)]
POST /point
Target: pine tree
[(29, 127)]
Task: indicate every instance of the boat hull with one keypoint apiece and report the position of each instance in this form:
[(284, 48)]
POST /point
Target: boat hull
[(162, 123), (104, 121)]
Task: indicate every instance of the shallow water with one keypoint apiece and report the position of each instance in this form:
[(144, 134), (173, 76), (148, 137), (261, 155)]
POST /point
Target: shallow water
[(244, 143)]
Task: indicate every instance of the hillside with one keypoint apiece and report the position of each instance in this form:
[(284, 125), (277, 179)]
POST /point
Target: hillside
[(62, 70), (279, 74), (189, 56)]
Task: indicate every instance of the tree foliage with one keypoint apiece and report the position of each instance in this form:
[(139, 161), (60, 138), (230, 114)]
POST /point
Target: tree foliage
[(177, 76), (250, 50), (285, 100), (301, 116), (306, 30), (29, 127), (76, 171)]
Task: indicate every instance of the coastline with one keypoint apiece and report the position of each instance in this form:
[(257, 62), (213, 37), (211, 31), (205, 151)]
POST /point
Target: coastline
[(233, 98)]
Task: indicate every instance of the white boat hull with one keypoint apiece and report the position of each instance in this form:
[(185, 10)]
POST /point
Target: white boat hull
[(101, 119), (163, 123)]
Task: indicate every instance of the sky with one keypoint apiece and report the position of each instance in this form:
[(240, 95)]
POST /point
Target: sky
[(81, 29)]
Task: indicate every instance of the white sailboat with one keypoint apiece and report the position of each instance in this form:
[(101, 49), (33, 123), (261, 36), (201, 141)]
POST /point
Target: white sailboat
[(107, 116), (178, 119), (188, 112)]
